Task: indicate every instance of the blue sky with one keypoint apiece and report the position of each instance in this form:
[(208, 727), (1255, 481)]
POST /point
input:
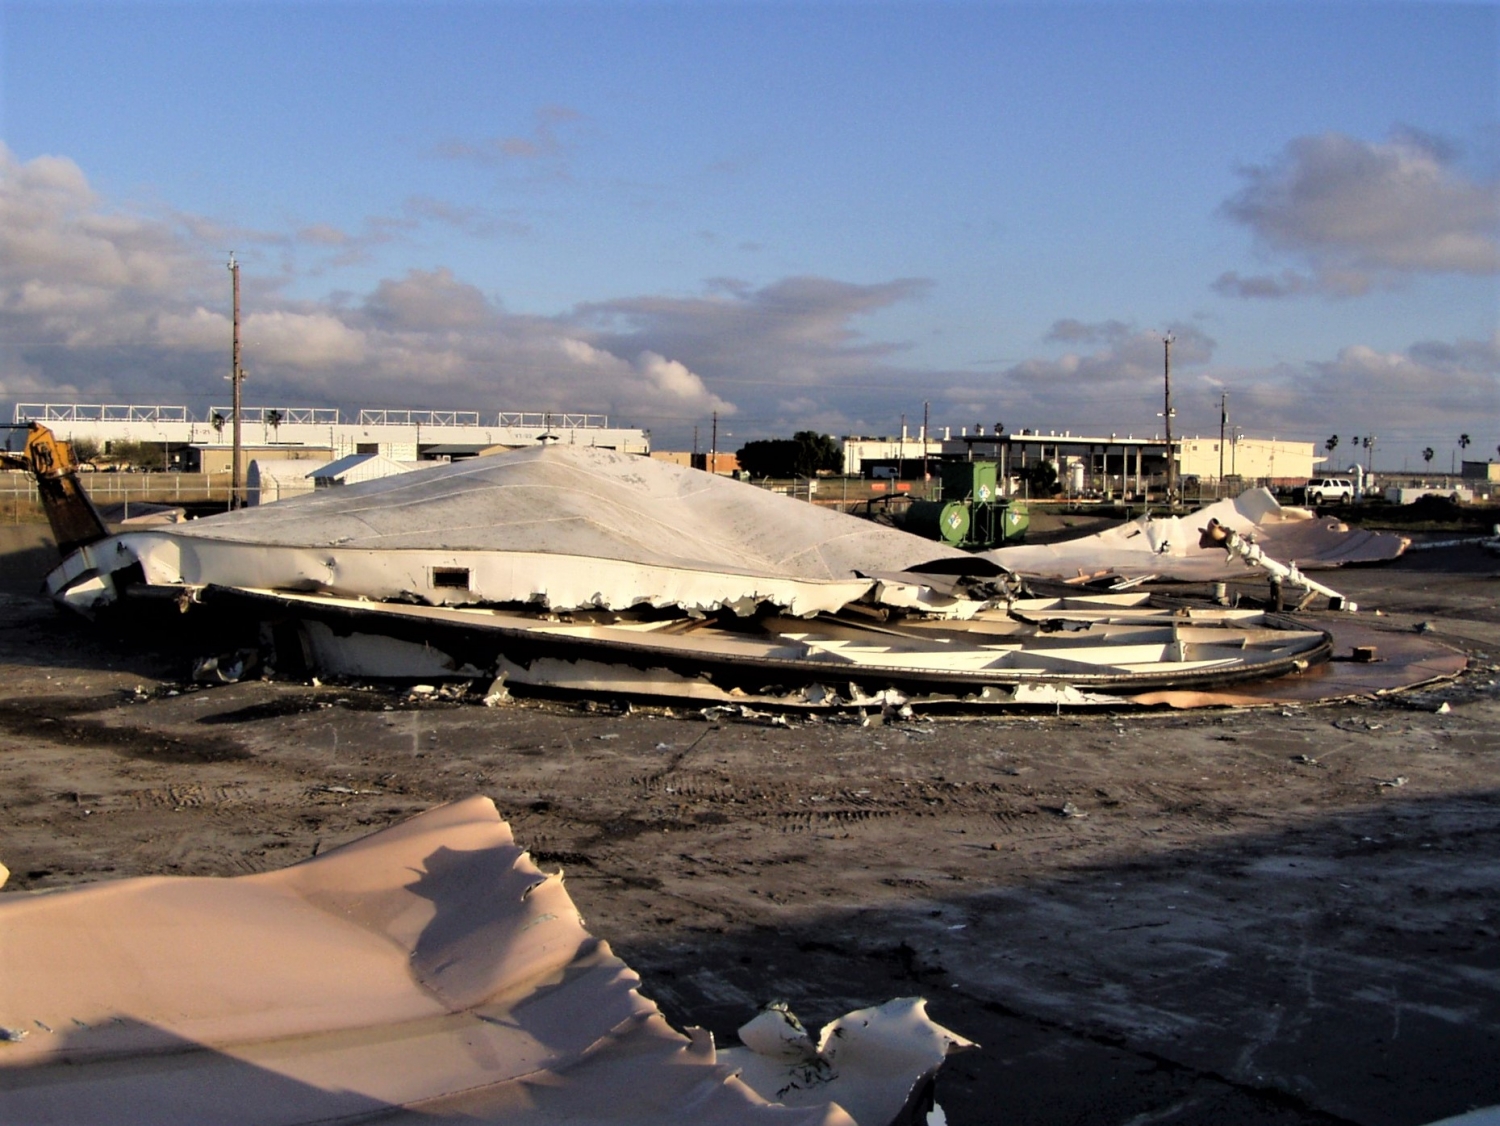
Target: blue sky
[(797, 214)]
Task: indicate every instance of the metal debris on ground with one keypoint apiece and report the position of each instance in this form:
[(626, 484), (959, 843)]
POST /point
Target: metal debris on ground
[(428, 969), (1164, 545), (225, 668), (650, 580)]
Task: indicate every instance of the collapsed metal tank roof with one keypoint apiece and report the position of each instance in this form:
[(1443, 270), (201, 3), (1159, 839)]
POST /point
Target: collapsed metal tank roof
[(562, 527)]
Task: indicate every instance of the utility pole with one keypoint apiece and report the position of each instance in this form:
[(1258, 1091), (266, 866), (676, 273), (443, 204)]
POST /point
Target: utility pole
[(901, 452), (695, 441), (926, 472), (1223, 422), (713, 457), (1166, 343), (236, 376)]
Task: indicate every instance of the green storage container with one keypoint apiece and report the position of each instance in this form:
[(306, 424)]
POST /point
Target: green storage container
[(969, 480), (945, 520), (991, 525), (1012, 519)]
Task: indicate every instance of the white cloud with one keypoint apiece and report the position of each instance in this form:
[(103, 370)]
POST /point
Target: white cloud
[(1363, 214), (428, 300), (100, 303), (201, 330), (313, 342), (674, 379)]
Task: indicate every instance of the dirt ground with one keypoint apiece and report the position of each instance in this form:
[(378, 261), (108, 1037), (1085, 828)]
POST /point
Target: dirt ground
[(1288, 915)]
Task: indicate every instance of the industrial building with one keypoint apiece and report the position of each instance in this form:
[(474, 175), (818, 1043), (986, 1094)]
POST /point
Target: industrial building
[(1481, 470), (724, 464), (323, 432), (1113, 464)]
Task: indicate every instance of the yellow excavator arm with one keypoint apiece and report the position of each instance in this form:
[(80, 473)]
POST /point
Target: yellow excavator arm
[(74, 519)]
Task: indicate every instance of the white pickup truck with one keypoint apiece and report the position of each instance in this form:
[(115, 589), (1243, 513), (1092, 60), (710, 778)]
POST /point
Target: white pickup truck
[(1330, 490)]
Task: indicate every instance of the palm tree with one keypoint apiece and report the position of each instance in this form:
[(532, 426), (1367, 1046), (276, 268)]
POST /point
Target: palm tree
[(273, 420), (1463, 444), (1332, 443), (1427, 455)]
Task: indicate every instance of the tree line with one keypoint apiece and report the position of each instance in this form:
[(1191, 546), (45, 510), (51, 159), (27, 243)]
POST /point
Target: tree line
[(804, 454)]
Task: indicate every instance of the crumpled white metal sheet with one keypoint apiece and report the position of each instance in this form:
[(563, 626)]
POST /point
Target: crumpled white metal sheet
[(586, 502), (563, 527), (427, 971), (1167, 547)]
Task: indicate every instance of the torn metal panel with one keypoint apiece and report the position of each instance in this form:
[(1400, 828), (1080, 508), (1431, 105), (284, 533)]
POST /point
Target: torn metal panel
[(427, 971), (598, 678), (1167, 546), (777, 656), (865, 1060), (1090, 652), (561, 527), (1406, 661)]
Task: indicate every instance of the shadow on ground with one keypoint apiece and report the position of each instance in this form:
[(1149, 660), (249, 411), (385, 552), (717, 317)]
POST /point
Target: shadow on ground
[(1345, 971)]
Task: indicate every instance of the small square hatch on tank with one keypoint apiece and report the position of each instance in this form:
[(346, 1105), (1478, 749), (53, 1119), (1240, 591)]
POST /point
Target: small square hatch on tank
[(450, 578)]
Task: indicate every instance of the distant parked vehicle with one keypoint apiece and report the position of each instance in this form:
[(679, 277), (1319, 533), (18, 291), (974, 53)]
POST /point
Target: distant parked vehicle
[(1330, 490)]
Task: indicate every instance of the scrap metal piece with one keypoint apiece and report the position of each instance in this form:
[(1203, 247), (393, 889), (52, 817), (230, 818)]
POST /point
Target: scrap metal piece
[(429, 971), (1128, 644), (1166, 545), (1251, 554), (877, 1063)]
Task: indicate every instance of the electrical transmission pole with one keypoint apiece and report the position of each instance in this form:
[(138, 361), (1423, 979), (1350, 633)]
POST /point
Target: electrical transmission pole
[(1166, 343), (236, 376), (1223, 421), (926, 471)]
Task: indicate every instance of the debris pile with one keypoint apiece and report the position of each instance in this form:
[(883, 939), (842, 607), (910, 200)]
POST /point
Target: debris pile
[(1167, 547), (587, 572)]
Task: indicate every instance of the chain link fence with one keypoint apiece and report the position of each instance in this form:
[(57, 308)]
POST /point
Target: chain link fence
[(19, 502)]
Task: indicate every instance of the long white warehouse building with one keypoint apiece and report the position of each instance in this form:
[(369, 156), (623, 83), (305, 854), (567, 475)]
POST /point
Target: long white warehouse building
[(403, 435)]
